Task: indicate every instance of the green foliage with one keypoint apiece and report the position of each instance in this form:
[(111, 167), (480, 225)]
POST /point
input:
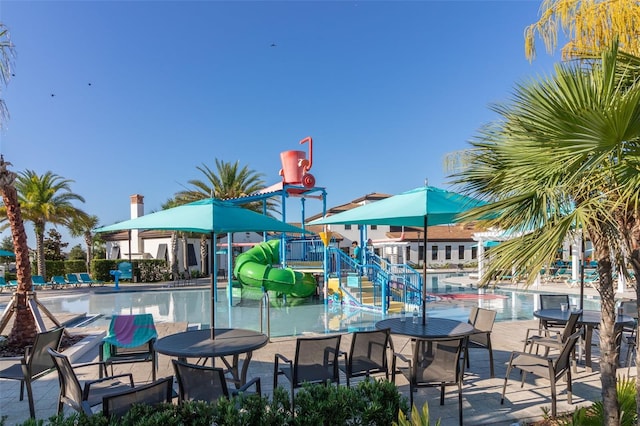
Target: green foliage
[(73, 266), (369, 403), (77, 253), (53, 246), (417, 418), (100, 269), (6, 243), (594, 415), (53, 267), (145, 270)]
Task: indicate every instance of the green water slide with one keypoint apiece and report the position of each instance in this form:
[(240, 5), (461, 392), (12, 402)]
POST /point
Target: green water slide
[(254, 268)]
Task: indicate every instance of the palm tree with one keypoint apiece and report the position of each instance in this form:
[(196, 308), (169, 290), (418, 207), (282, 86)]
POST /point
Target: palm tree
[(590, 26), (46, 199), (229, 181), (6, 55), (174, 240), (565, 156), (82, 225)]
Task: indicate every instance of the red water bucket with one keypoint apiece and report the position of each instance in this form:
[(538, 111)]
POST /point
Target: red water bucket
[(292, 166)]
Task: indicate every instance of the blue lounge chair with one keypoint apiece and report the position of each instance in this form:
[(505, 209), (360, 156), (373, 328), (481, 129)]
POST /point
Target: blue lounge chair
[(73, 280), (58, 281), (4, 284), (38, 282), (86, 279)]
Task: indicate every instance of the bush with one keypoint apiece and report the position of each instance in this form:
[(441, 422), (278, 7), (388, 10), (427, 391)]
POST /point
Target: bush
[(370, 403)]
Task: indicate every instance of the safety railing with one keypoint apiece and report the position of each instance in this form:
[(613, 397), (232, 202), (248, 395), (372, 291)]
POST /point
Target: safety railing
[(265, 314)]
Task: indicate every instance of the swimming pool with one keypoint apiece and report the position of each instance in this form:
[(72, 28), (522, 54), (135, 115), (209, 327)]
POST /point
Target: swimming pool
[(295, 316)]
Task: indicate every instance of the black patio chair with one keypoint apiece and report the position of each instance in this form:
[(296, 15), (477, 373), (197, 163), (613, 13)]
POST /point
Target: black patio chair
[(368, 354), (553, 301), (482, 320), (159, 391), (35, 364)]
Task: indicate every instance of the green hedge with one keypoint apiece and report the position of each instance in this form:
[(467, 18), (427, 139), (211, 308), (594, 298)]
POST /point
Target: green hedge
[(144, 270), (371, 402)]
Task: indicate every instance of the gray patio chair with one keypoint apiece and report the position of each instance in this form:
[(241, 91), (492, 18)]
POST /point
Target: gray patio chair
[(482, 320), (204, 383), (630, 308), (368, 354), (552, 368), (159, 391), (83, 398), (434, 363), (551, 339), (552, 301), (316, 361), (35, 363)]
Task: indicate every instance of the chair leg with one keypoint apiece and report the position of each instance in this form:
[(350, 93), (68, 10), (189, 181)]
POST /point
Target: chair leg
[(491, 370), (460, 402), (411, 390), (506, 378), (441, 394), (21, 390), (32, 408), (553, 397), (569, 387)]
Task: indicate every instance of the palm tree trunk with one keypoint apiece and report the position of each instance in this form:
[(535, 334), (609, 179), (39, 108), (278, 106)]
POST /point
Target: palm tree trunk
[(88, 240), (608, 347), (174, 255), (203, 254), (42, 268), (24, 325)]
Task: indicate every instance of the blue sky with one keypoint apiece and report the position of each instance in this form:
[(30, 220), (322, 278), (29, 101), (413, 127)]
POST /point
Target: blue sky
[(146, 91)]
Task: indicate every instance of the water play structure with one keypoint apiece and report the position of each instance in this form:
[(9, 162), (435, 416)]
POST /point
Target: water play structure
[(255, 268)]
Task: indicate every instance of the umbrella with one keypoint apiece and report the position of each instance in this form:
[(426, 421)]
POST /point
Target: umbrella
[(7, 253), (206, 216), (418, 207)]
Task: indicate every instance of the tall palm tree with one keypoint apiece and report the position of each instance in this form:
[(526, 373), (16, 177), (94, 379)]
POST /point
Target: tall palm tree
[(228, 181), (82, 225), (6, 55), (174, 240), (565, 156), (46, 199)]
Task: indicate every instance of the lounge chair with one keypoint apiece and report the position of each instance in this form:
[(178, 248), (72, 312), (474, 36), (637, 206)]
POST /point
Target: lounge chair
[(130, 339), (73, 280), (86, 279), (4, 284), (38, 281), (58, 281), (589, 279)]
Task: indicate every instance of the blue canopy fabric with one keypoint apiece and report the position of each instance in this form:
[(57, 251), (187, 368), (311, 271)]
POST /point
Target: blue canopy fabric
[(409, 208), (7, 253), (205, 216)]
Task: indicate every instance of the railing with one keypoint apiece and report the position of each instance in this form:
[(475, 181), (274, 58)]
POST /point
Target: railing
[(265, 314)]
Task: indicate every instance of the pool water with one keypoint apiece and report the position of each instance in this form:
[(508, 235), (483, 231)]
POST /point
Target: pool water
[(292, 317)]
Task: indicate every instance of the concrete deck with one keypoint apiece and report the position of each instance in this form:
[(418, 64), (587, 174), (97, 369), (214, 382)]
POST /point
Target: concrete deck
[(481, 394)]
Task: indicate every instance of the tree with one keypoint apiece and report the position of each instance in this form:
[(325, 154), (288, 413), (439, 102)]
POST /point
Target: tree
[(53, 246), (565, 156), (82, 225), (77, 253), (6, 243), (46, 199), (590, 26), (6, 55), (230, 181)]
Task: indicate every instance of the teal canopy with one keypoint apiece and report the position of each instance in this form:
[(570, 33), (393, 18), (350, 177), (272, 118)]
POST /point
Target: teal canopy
[(7, 253), (411, 208), (205, 216)]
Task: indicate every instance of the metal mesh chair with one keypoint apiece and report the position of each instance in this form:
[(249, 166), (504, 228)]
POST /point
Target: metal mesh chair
[(552, 301), (116, 405), (204, 383), (434, 363), (316, 361), (482, 320), (551, 339), (35, 363), (83, 398), (552, 368), (368, 354)]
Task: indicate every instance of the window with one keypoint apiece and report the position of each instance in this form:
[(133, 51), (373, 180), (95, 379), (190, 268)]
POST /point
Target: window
[(434, 252), (447, 252), (374, 227), (347, 227), (407, 256), (460, 252), (474, 252), (191, 255), (395, 228), (420, 253)]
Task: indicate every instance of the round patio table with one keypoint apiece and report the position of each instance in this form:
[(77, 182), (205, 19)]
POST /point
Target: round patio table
[(436, 328), (590, 319), (229, 342)]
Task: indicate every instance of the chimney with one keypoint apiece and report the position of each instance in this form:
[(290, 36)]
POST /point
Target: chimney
[(137, 206), (137, 210)]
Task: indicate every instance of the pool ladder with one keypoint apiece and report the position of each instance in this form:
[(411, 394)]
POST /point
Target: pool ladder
[(265, 314)]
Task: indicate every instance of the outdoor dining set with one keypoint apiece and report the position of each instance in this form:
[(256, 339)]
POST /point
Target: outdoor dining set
[(441, 354)]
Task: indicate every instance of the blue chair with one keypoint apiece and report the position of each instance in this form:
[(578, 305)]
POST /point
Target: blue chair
[(38, 281), (86, 279), (73, 280), (126, 270), (4, 284), (58, 281)]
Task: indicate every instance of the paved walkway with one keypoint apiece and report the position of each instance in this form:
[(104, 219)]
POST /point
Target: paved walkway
[(481, 394)]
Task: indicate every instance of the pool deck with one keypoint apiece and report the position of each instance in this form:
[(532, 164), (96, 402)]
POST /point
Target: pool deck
[(481, 394)]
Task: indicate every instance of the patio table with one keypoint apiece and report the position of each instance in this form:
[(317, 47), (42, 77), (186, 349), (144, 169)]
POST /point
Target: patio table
[(229, 342), (589, 318), (436, 328)]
